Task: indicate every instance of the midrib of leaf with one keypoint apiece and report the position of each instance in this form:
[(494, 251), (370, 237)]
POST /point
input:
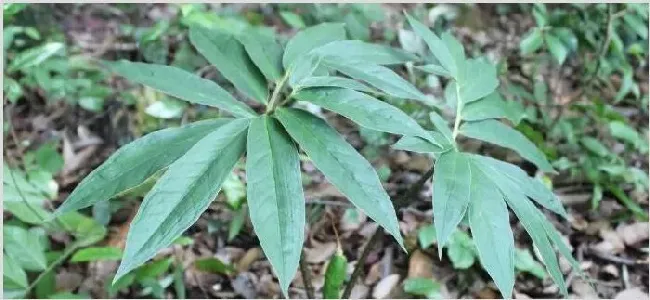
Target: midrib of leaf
[(281, 219), (452, 191), (459, 109), (206, 168), (361, 184)]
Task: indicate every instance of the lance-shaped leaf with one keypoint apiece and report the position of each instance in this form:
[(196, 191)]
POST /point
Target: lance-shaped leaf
[(378, 76), (479, 80), (309, 38), (435, 69), (24, 247), (364, 110), (183, 193), (13, 275), (492, 106), (342, 165), (488, 220), (495, 132), (135, 162), (532, 187), (533, 222), (226, 53), (420, 145), (333, 81), (264, 51), (181, 84), (442, 126), (275, 198), (451, 193), (436, 45), (355, 50)]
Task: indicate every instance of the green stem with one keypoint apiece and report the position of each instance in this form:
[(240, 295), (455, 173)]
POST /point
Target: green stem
[(459, 108), (276, 94)]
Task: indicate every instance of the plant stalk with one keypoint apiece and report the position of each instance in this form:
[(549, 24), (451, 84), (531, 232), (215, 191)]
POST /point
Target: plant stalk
[(403, 201), (276, 94)]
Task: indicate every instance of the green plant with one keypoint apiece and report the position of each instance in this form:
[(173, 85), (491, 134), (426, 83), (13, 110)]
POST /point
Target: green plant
[(482, 188), (196, 159)]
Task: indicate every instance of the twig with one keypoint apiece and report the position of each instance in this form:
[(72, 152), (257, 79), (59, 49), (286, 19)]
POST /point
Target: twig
[(49, 268), (306, 277), (616, 259), (360, 262), (401, 202)]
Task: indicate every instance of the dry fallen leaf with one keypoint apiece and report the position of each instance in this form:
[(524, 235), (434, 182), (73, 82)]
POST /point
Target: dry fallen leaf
[(420, 265), (583, 290), (612, 243), (386, 286), (631, 294), (320, 252), (359, 291), (250, 257), (373, 275), (633, 233)]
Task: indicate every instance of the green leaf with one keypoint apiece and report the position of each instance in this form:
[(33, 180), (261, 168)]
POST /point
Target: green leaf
[(595, 146), (96, 254), (342, 165), (34, 56), (495, 132), (492, 106), (480, 80), (237, 222), (451, 194), (152, 269), (442, 126), (364, 110), (24, 248), (85, 229), (531, 42), (294, 20), (333, 81), (436, 46), (556, 47), (309, 38), (235, 191), (461, 250), (13, 276), (183, 193), (354, 50), (181, 84), (214, 266), (525, 262), (531, 187), (264, 51), (622, 131), (488, 220), (335, 276), (420, 145), (533, 222), (435, 69), (421, 286), (226, 53), (379, 77), (275, 197), (135, 162), (427, 236)]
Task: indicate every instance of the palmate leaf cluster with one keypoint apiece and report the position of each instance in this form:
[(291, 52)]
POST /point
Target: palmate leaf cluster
[(481, 188), (195, 159)]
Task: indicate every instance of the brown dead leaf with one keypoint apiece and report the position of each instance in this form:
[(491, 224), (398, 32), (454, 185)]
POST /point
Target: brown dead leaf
[(386, 286), (373, 274), (583, 289), (359, 291), (633, 233), (631, 294), (68, 281), (320, 252), (244, 284), (419, 163), (250, 257), (420, 265), (612, 243), (611, 270)]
